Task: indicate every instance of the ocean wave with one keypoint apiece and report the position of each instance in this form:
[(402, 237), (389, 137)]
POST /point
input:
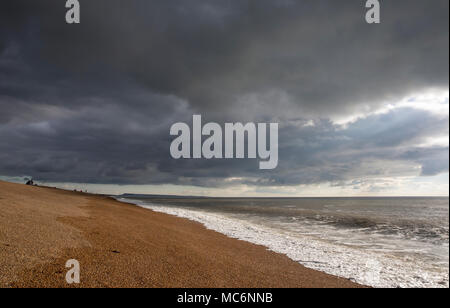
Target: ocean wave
[(377, 269)]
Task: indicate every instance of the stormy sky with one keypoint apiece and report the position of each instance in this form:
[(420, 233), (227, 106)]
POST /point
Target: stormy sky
[(363, 109)]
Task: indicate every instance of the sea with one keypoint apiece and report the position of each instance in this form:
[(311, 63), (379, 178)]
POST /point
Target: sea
[(379, 242)]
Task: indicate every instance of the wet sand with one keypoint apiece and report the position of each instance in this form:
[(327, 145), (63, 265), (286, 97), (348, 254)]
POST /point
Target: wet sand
[(121, 245)]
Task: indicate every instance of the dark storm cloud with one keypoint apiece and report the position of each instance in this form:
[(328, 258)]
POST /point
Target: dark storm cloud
[(321, 53), (113, 147), (94, 102)]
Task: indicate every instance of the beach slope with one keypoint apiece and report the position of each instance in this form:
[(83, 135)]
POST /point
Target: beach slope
[(121, 245)]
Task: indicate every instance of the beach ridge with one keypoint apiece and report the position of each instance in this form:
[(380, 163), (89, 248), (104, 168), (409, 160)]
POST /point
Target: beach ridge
[(123, 245)]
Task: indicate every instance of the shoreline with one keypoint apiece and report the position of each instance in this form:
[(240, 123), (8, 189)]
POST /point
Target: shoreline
[(124, 245), (367, 268)]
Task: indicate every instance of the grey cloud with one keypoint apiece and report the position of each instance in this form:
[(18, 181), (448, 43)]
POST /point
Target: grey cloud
[(322, 54), (94, 102), (99, 145)]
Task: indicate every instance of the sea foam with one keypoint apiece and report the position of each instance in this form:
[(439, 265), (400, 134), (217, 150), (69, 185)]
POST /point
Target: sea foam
[(368, 268)]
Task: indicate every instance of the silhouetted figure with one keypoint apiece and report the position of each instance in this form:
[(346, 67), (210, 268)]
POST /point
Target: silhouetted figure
[(30, 182)]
